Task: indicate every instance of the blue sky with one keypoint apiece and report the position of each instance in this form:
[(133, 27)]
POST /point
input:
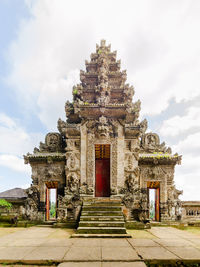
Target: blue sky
[(43, 46)]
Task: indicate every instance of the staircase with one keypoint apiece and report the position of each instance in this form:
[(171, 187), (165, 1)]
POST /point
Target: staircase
[(101, 218)]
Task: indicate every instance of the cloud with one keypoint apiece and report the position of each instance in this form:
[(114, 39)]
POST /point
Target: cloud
[(24, 186), (161, 55), (15, 139), (179, 124), (15, 163), (187, 177), (189, 146)]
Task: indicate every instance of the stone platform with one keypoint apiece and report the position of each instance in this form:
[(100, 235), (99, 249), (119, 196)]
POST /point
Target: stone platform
[(37, 245)]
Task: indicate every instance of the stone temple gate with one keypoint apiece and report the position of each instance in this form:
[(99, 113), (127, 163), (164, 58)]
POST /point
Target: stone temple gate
[(102, 150)]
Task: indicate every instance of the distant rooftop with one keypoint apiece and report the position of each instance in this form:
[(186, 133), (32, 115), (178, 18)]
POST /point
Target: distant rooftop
[(15, 193)]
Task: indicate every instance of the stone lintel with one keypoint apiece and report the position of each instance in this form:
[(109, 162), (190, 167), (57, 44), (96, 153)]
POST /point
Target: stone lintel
[(160, 158), (44, 157)]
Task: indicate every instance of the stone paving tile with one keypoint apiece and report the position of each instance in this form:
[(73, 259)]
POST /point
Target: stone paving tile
[(30, 242), (152, 253), (183, 234), (115, 242), (143, 242), (119, 253), (83, 254), (81, 264), (168, 242), (186, 253), (124, 264), (195, 241), (140, 234), (17, 253), (47, 253), (30, 235), (87, 242), (188, 236), (22, 265), (62, 233), (57, 242), (4, 242), (163, 232)]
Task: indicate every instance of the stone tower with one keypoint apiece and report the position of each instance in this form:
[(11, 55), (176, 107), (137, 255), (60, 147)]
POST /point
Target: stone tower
[(103, 150)]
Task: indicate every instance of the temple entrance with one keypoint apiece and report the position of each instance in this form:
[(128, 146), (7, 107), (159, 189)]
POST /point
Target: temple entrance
[(154, 200), (102, 170), (51, 200)]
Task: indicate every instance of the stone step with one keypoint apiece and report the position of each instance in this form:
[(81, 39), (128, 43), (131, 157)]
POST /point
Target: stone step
[(101, 213), (102, 218), (101, 230), (102, 199), (101, 208), (99, 204), (101, 224), (101, 236)]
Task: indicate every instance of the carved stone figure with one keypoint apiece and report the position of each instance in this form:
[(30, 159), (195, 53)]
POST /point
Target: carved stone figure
[(32, 204)]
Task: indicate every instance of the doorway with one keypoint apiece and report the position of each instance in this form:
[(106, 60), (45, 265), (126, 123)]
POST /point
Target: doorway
[(51, 200), (102, 170), (154, 200)]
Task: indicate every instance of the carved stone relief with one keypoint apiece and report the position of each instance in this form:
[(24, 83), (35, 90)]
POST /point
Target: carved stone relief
[(151, 143), (53, 143)]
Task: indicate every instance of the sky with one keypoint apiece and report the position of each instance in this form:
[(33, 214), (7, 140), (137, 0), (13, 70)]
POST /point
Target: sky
[(44, 44)]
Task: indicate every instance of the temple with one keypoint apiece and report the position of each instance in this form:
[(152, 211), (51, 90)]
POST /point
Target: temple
[(103, 152)]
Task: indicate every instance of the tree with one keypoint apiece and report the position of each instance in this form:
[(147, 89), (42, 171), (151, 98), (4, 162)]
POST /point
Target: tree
[(5, 204)]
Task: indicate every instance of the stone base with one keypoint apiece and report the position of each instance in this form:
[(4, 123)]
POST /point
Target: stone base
[(101, 236), (69, 225), (137, 225)]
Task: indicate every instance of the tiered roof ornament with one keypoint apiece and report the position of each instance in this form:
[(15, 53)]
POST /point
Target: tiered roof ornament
[(103, 90)]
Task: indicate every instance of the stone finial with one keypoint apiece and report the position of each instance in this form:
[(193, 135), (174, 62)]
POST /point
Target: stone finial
[(103, 43)]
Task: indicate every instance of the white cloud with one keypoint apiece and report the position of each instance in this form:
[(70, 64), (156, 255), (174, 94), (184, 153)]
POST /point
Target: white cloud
[(160, 53), (52, 97), (189, 146), (24, 186), (15, 163), (14, 138), (187, 177), (179, 124)]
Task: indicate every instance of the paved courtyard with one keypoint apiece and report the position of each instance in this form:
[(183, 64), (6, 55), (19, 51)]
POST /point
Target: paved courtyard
[(41, 245)]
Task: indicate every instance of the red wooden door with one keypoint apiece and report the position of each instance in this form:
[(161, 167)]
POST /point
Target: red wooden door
[(47, 204), (157, 204), (102, 186)]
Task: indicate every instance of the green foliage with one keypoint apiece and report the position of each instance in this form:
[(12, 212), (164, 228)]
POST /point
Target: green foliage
[(4, 203), (100, 51), (160, 155), (75, 92), (152, 210), (53, 210)]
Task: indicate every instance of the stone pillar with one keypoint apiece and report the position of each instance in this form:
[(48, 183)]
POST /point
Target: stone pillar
[(83, 150), (120, 157)]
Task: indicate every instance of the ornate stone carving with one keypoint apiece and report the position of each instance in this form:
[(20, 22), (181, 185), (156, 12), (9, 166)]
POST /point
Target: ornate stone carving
[(101, 128), (154, 172), (50, 172), (174, 203), (128, 94), (73, 160), (32, 204), (53, 143), (72, 183), (143, 126), (151, 143)]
